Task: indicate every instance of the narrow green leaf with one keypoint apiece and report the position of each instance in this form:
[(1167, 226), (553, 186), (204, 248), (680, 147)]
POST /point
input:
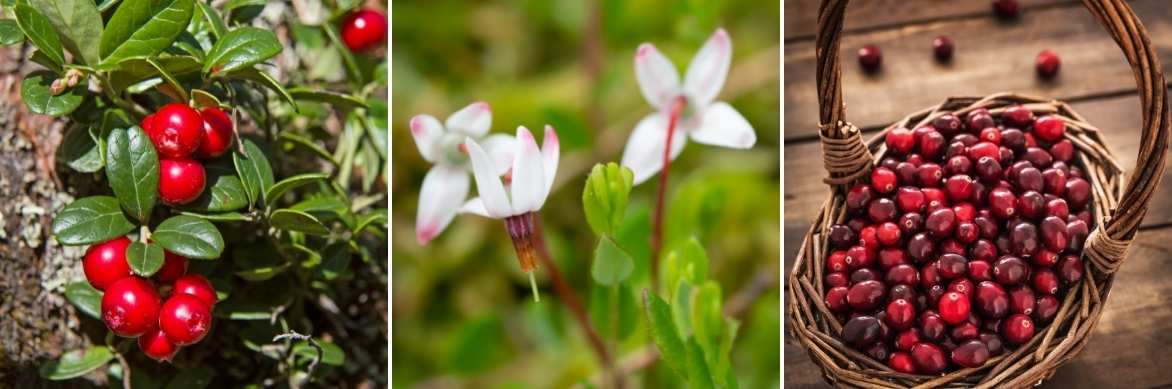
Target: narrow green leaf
[(219, 29), (10, 33), (699, 375), (85, 298), (707, 318), (78, 23), (255, 172), (267, 81), (308, 144), (331, 354), (219, 217), (663, 331), (145, 259), (611, 263), (143, 28), (190, 237), (90, 220), (375, 217), (293, 220), (241, 48), (40, 31), (615, 313), (339, 100), (76, 363), (36, 91), (277, 190), (132, 168)]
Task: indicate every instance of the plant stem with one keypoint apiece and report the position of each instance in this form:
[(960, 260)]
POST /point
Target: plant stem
[(677, 107), (571, 300)]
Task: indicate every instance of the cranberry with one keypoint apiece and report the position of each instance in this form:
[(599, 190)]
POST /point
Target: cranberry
[(105, 263), (932, 326), (964, 332), (952, 266), (1031, 205), (954, 308), (1070, 269), (364, 29), (959, 187), (863, 274), (1078, 193), (865, 295), (906, 339), (857, 223), (857, 257), (915, 159), (947, 124), (921, 247), (952, 246), (903, 275), (1021, 300), (837, 279), (972, 353), (1046, 281), (988, 169), (935, 197), (198, 286), (955, 149), (1010, 271), (888, 234), (1078, 231), (859, 196), (932, 144), (989, 228), (147, 123), (1002, 202), (130, 306), (181, 180), (1047, 64), (901, 362), (861, 332), (979, 118), (980, 270), (836, 299), (1024, 238), (1058, 208), (905, 292), (1062, 150), (154, 344), (1054, 233), (967, 232), (900, 140), (889, 163), (1046, 308), (900, 314), (870, 58), (1017, 116), (990, 134), (217, 137), (868, 238), (891, 257), (185, 319), (174, 266), (176, 130), (929, 175), (1045, 258), (1030, 179), (942, 48), (930, 276), (941, 222), (1013, 138), (1037, 157), (1005, 8), (961, 285), (906, 172), (836, 262), (878, 351), (882, 210), (911, 223), (842, 236), (928, 358), (991, 299), (883, 180), (910, 199), (1017, 329)]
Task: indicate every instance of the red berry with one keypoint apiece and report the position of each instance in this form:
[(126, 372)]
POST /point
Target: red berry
[(1048, 64), (910, 199), (1017, 116), (865, 295), (1046, 308), (1010, 271), (859, 196), (181, 180), (836, 262), (992, 300), (198, 286), (174, 266), (364, 29), (837, 279), (931, 144), (836, 299), (217, 127), (105, 263), (861, 332), (1017, 329), (942, 48), (928, 358), (858, 257), (842, 236), (1046, 281), (154, 344), (941, 222), (888, 234), (901, 362), (130, 307), (1005, 8), (882, 210), (1002, 203), (147, 123), (972, 353), (954, 308), (931, 325), (185, 319), (176, 130), (1049, 128), (900, 314), (906, 339), (870, 58), (883, 180), (1070, 269), (980, 270), (903, 274), (900, 140), (1078, 193), (1062, 150)]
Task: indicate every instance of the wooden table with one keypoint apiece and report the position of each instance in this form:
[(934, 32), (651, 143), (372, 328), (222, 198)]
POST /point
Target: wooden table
[(1130, 345)]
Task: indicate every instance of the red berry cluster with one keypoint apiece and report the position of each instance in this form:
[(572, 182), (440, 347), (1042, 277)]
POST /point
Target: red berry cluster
[(132, 306), (963, 242), (364, 29), (179, 133)]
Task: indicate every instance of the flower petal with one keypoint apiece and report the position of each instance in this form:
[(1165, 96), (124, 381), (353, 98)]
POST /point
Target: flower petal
[(722, 125), (488, 183), (475, 207), (644, 151), (658, 79), (444, 189), (473, 120), (528, 187), (427, 131), (709, 67), (501, 148), (550, 154)]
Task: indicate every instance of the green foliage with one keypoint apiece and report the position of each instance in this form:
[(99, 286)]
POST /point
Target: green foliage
[(78, 24), (132, 167), (40, 32), (90, 220), (76, 363), (612, 265), (87, 299), (241, 48), (145, 258), (190, 237), (256, 174), (37, 92), (143, 28), (10, 33), (605, 197)]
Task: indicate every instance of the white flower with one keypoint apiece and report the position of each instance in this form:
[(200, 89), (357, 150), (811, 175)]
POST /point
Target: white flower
[(704, 120), (529, 181), (446, 185)]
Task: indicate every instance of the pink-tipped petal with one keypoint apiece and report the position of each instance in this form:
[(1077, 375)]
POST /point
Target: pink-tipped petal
[(473, 120), (709, 68), (444, 189), (427, 131), (501, 148), (475, 207), (644, 151), (550, 153), (722, 125), (528, 187), (658, 79), (488, 183)]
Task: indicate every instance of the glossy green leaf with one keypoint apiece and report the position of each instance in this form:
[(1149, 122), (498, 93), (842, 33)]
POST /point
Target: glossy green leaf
[(611, 263), (255, 172), (190, 237), (135, 71), (143, 28), (241, 48), (36, 91), (91, 220), (132, 168), (224, 192), (76, 363), (331, 353), (375, 217), (219, 29), (204, 99), (40, 31), (218, 217), (267, 81), (664, 333), (293, 220), (338, 100), (306, 143), (10, 33), (85, 298), (145, 259), (605, 197), (77, 22), (280, 188), (80, 151)]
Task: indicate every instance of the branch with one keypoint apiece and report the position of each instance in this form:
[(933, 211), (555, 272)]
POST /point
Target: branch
[(293, 335)]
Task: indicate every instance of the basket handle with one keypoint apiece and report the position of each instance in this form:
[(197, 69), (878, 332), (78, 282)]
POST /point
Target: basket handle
[(847, 158)]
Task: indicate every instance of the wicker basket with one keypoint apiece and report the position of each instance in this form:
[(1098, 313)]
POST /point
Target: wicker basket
[(1118, 207)]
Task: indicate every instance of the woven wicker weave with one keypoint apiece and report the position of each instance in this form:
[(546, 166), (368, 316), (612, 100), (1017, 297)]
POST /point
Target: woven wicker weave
[(1118, 207)]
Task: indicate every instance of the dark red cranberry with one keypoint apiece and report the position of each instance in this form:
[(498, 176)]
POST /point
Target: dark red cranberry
[(952, 266), (992, 300), (931, 326), (882, 210), (836, 262), (1038, 157), (983, 250), (930, 276), (837, 279), (878, 351), (865, 295), (1045, 281), (1013, 138), (857, 223), (906, 339), (1024, 239), (1078, 193), (906, 292), (1070, 269), (928, 358), (858, 257), (1031, 205), (964, 331), (941, 222), (861, 332), (972, 353), (952, 246), (988, 169), (900, 314), (1030, 179), (1062, 150), (959, 187), (842, 236), (980, 270), (929, 175), (1058, 208), (1046, 309), (921, 247), (947, 124), (942, 48), (1002, 202), (959, 164), (864, 274), (903, 275), (961, 285), (889, 163), (859, 196), (1078, 231), (954, 308), (979, 118), (967, 232), (836, 299), (955, 148), (891, 257), (1005, 8), (1017, 116), (992, 342), (901, 362), (932, 145), (1021, 300), (1054, 233), (1045, 258), (900, 140), (989, 228), (1017, 329), (1047, 64), (906, 172), (870, 58), (1010, 271)]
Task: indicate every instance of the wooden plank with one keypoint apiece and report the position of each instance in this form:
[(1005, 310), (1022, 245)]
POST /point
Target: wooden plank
[(1127, 347), (801, 16), (990, 57)]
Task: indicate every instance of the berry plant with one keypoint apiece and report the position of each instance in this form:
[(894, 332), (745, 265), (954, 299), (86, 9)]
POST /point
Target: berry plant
[(230, 160)]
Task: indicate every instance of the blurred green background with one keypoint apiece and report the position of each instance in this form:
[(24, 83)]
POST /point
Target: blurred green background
[(462, 312)]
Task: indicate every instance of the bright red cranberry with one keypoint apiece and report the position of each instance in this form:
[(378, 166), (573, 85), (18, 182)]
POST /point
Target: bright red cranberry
[(130, 307), (174, 266), (900, 140), (1047, 64), (857, 257), (861, 332), (859, 196), (980, 270), (836, 299), (1046, 308), (1017, 116), (972, 353), (936, 198), (882, 210), (181, 180), (1017, 329), (185, 319), (906, 339), (176, 130), (154, 344), (901, 362), (942, 48), (1011, 271), (147, 123), (959, 187), (984, 149), (869, 239), (198, 286), (903, 275), (1058, 208), (841, 236), (1046, 281), (105, 263), (900, 314), (865, 295), (990, 134), (991, 299), (864, 274), (929, 175), (928, 358), (1049, 128), (1062, 150), (921, 247), (1024, 239), (365, 29), (910, 199), (954, 308), (883, 180), (891, 257), (888, 234), (1021, 300), (932, 144), (1030, 140), (1002, 202), (1070, 269), (836, 262), (1078, 193), (941, 222), (1045, 258), (965, 212), (217, 137), (870, 58), (837, 279)]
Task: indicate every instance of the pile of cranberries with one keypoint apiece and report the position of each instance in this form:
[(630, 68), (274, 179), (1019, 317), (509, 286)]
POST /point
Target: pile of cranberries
[(180, 133), (962, 244), (132, 306)]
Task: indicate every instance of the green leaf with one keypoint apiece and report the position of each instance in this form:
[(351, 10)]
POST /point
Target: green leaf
[(331, 354), (204, 98), (298, 140), (378, 216), (339, 100), (663, 331), (40, 31), (611, 264), (293, 220), (699, 375), (615, 313), (85, 298), (36, 91), (10, 33), (76, 363), (605, 197), (224, 191), (688, 262), (219, 29), (190, 237), (78, 23), (90, 220), (219, 217), (80, 151), (707, 318), (132, 168), (265, 80), (255, 172), (136, 71), (143, 28), (241, 48), (145, 259), (277, 190)]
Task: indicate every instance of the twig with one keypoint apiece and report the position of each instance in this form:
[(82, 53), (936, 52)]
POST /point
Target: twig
[(293, 335), (125, 370)]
